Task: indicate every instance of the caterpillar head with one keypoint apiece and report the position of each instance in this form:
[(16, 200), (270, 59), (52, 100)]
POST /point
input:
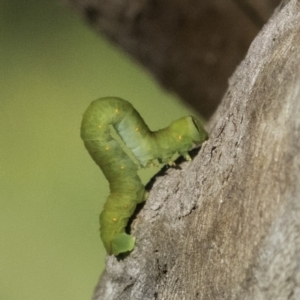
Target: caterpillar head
[(188, 130)]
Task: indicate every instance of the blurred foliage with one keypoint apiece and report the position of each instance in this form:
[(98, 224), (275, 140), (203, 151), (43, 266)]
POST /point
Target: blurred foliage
[(51, 192)]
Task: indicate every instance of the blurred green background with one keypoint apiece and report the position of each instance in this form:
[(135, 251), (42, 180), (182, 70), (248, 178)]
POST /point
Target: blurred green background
[(51, 192)]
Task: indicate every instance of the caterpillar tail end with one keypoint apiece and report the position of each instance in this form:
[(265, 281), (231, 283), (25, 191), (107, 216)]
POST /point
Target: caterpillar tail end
[(121, 243)]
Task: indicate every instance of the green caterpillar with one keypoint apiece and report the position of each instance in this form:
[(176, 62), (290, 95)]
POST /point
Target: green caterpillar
[(126, 188)]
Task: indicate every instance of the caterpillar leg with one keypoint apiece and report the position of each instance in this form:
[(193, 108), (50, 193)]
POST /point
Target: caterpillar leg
[(168, 161), (187, 156), (122, 242), (171, 163), (146, 195)]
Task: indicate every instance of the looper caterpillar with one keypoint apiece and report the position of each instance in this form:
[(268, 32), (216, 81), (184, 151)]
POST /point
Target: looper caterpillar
[(126, 189)]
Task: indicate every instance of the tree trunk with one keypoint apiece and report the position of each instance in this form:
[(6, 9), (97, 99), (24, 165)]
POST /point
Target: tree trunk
[(227, 225)]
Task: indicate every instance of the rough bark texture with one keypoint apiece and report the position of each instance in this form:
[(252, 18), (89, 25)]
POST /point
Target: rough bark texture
[(191, 47), (227, 225)]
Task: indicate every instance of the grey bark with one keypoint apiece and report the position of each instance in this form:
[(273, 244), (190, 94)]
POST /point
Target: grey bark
[(227, 225), (191, 47)]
